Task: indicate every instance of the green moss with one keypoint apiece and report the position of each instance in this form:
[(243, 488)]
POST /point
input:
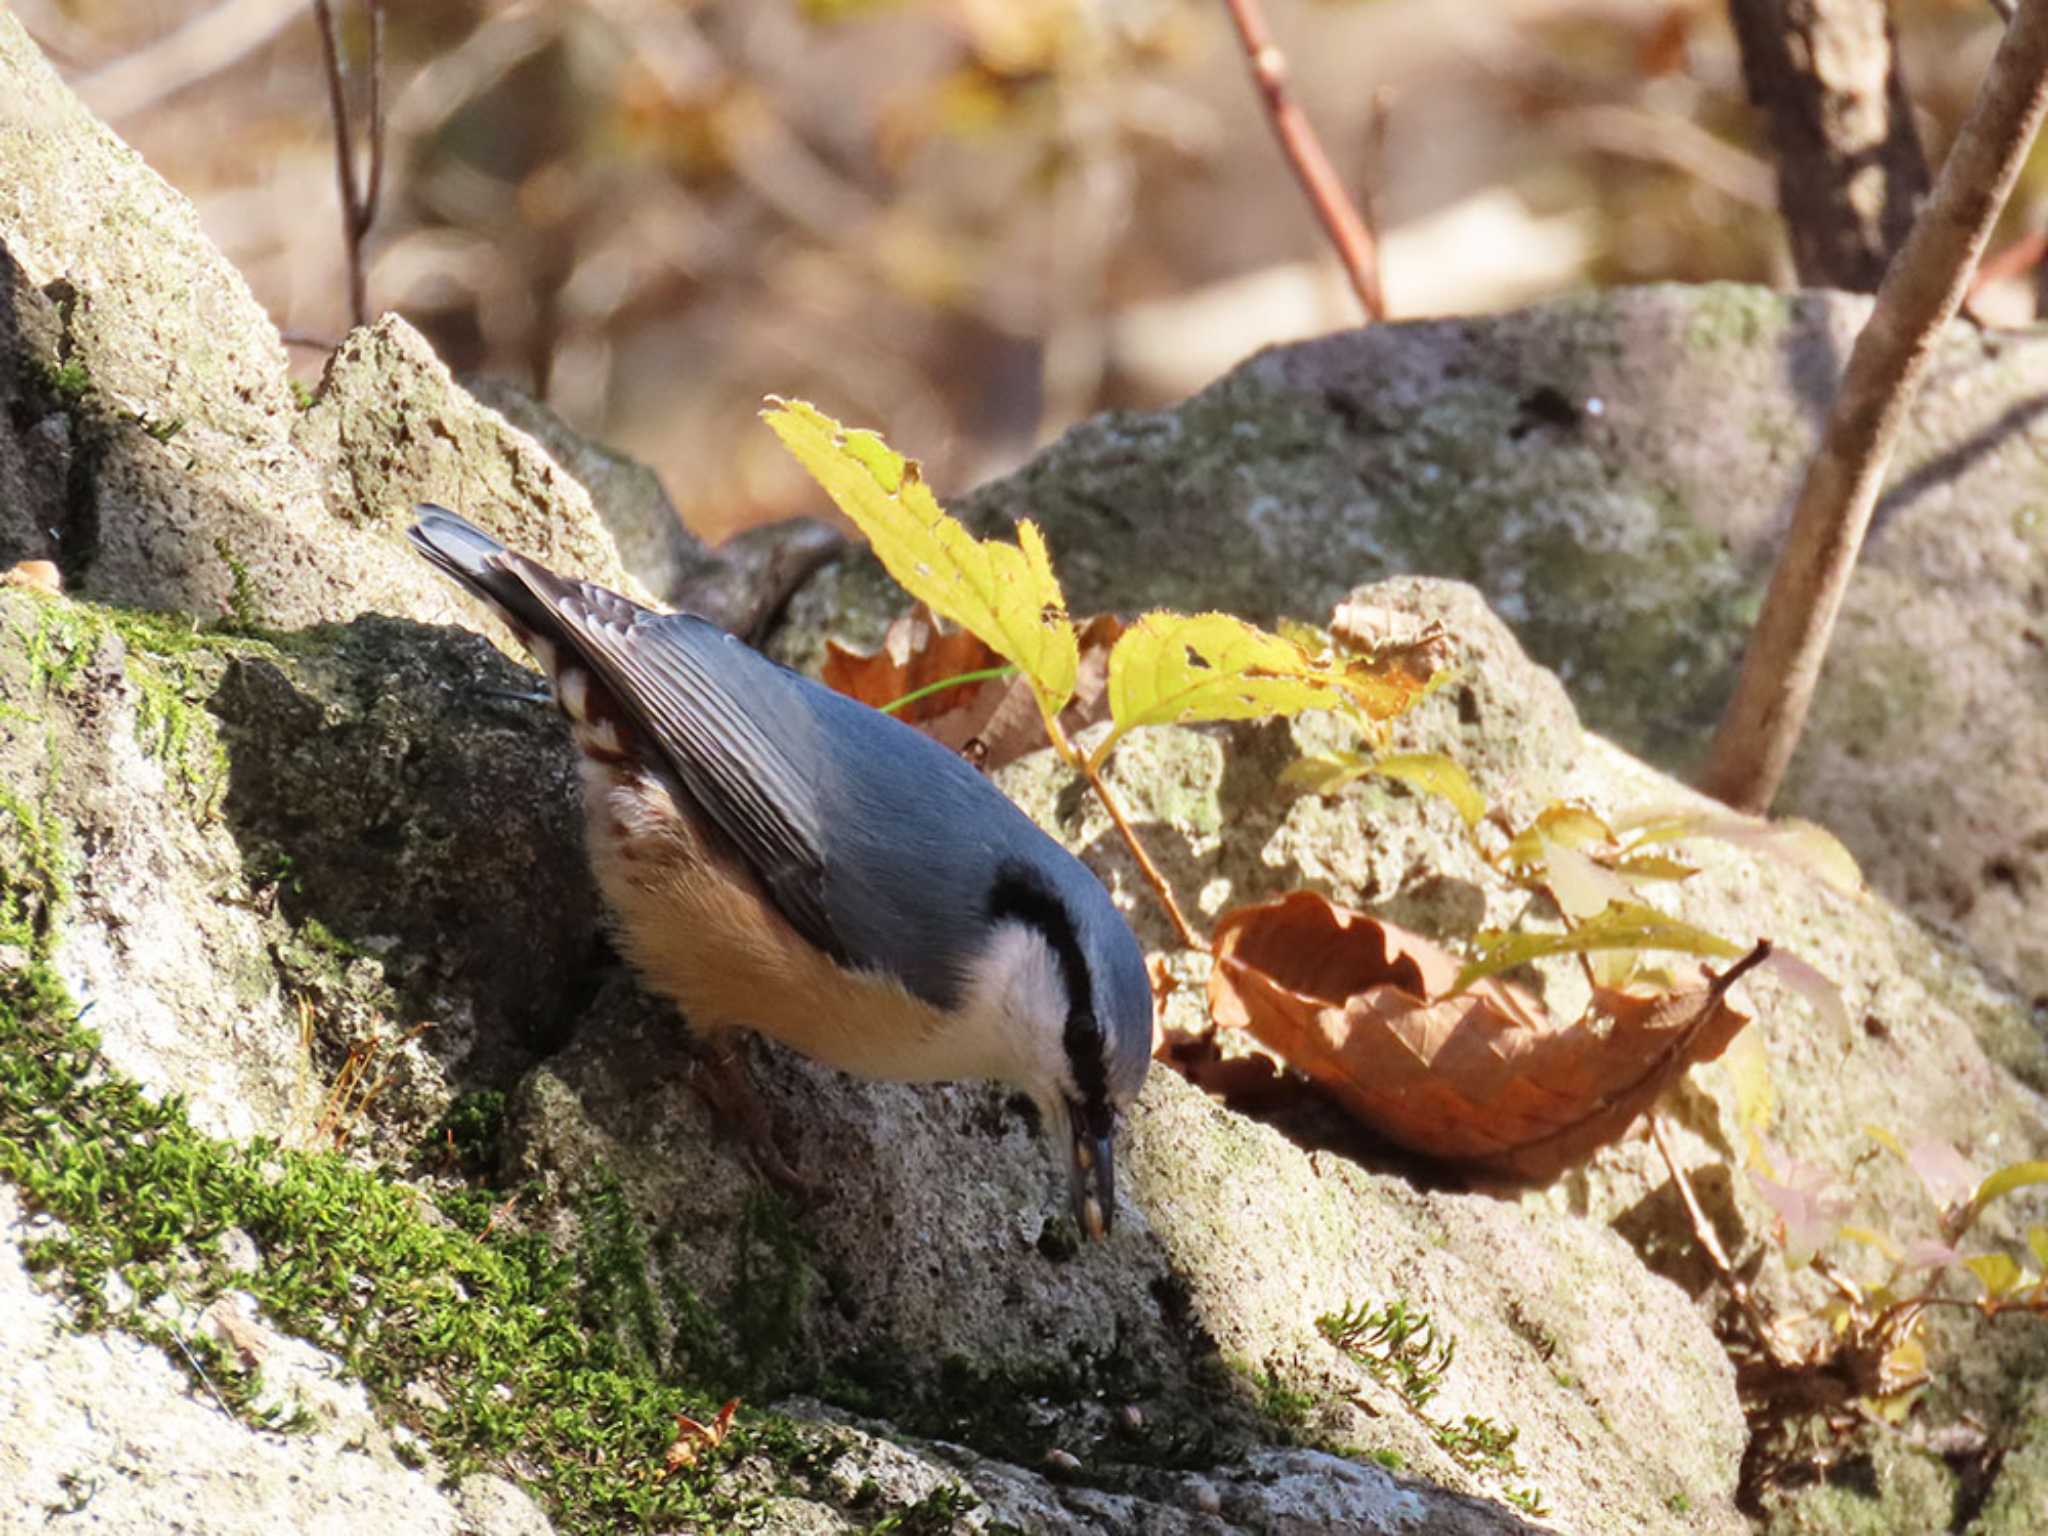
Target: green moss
[(243, 614), (935, 1514), (471, 1133), (520, 1344), (1399, 1347), (69, 381), (170, 664), (530, 1374), (772, 1282)]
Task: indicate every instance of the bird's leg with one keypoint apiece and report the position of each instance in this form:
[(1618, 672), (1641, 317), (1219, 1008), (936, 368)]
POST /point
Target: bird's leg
[(721, 1079)]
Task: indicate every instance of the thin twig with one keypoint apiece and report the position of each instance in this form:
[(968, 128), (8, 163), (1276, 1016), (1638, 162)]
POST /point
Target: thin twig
[(1709, 1239), (1160, 888), (1304, 151), (1920, 294), (358, 203)]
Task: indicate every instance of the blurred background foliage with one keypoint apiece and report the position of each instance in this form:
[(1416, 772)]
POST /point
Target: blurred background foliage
[(967, 222)]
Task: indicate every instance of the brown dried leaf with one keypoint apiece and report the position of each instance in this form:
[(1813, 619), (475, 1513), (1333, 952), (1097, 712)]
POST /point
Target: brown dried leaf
[(694, 1437), (1479, 1078), (992, 720), (1414, 647)]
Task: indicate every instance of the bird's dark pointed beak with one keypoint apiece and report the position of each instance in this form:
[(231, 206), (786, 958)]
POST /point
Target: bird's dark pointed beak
[(1092, 1169)]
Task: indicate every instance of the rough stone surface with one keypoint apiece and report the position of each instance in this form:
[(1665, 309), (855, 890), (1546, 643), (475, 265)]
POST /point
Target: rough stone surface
[(1613, 473), (740, 585), (285, 848), (101, 1433)]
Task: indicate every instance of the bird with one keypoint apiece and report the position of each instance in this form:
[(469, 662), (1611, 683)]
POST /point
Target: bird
[(780, 858)]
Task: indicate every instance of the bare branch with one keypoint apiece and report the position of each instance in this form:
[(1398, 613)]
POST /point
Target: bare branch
[(1304, 151), (1920, 294), (358, 203), (1851, 174), (367, 209)]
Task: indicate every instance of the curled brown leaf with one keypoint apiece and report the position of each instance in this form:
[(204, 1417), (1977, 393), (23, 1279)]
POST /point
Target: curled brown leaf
[(1481, 1077)]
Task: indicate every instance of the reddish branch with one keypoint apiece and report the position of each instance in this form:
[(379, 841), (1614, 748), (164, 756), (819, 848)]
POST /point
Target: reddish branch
[(1355, 245), (1920, 293)]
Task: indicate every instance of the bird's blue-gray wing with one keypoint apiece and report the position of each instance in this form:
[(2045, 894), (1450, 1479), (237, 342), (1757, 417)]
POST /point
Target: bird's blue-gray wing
[(724, 720)]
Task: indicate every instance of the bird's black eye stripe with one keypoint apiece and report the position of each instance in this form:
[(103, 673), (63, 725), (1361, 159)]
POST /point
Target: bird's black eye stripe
[(1018, 896)]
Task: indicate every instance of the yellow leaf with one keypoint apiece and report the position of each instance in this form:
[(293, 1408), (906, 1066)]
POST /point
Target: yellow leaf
[(1802, 843), (1819, 852), (1999, 1273), (1570, 826), (2009, 1178), (1623, 926), (1652, 866), (1324, 773), (1437, 774), (1749, 1069), (1005, 594), (1174, 668), (2037, 1244), (1885, 1139)]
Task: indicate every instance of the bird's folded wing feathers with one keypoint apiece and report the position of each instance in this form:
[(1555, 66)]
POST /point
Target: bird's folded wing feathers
[(669, 673)]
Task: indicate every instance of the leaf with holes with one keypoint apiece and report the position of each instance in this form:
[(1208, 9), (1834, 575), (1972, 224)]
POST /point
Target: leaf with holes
[(1178, 668), (1004, 593)]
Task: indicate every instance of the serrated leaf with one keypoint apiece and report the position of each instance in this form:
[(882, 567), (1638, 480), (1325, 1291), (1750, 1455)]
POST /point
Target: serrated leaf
[(2000, 1273), (1440, 776), (1175, 668), (1004, 593), (1358, 1006), (1628, 925)]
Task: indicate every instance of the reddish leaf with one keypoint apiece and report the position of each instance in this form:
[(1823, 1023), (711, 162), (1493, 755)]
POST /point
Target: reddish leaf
[(1480, 1077), (694, 1437), (993, 720)]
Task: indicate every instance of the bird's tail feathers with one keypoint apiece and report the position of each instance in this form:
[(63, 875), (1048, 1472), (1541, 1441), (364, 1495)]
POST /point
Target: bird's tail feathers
[(463, 550)]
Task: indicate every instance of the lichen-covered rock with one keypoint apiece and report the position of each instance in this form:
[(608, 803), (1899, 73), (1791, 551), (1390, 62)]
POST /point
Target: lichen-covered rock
[(114, 773), (153, 446), (1613, 472), (306, 878), (100, 1430)]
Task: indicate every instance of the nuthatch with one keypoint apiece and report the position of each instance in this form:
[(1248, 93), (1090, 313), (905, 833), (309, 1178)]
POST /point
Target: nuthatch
[(780, 857)]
